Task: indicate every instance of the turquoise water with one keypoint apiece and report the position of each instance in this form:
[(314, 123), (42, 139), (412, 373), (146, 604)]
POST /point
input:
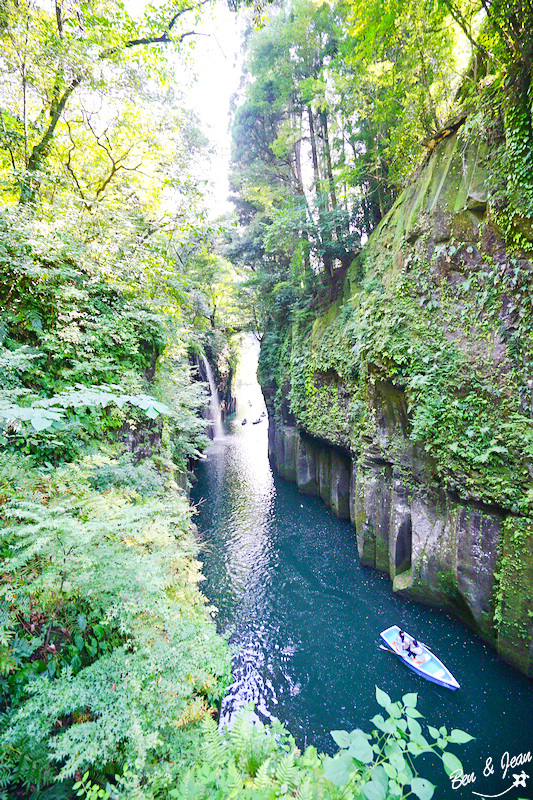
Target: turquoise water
[(304, 620)]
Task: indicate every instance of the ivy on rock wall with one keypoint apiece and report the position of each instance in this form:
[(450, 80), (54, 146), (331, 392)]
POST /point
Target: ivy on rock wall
[(444, 315)]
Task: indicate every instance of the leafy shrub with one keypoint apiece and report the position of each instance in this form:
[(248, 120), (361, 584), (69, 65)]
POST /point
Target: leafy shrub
[(262, 762), (108, 653), (105, 473)]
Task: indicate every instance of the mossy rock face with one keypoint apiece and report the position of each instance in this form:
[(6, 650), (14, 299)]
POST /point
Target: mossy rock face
[(340, 485), (514, 595), (418, 374), (306, 467)]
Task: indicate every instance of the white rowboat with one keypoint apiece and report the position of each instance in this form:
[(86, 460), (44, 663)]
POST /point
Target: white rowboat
[(425, 664)]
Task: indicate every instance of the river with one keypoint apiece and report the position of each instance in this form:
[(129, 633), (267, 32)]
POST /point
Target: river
[(303, 618)]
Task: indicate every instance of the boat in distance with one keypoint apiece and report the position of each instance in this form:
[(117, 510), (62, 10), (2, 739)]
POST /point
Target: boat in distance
[(425, 663)]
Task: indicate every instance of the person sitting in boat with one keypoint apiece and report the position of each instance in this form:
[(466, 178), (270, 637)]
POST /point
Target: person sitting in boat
[(403, 642), (415, 649)]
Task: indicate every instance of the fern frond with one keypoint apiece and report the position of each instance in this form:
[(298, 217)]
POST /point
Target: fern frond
[(58, 791), (32, 765), (242, 729), (263, 779), (287, 771), (213, 747), (305, 791), (234, 775)]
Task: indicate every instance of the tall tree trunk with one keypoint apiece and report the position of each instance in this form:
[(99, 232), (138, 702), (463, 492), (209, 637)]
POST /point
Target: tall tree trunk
[(327, 159), (40, 151), (314, 153), (326, 258)]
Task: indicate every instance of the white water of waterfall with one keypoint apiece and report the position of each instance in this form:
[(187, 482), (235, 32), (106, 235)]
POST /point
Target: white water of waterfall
[(216, 412)]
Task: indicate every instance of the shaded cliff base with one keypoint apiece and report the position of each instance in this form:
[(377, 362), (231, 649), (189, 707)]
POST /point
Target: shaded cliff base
[(464, 557)]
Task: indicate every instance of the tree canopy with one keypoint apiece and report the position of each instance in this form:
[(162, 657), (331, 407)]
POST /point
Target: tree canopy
[(340, 104)]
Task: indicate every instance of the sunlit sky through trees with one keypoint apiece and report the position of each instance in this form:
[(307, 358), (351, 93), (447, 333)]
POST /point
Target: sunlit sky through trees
[(216, 63), (212, 76)]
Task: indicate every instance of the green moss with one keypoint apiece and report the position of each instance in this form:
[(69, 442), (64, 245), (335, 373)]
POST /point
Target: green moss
[(513, 596), (447, 584), (382, 554), (427, 359)]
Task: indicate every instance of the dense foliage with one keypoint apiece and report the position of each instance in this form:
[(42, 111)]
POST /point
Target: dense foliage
[(108, 653), (262, 762), (341, 102)]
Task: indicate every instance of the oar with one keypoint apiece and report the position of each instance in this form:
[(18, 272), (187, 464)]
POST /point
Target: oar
[(394, 653), (387, 650)]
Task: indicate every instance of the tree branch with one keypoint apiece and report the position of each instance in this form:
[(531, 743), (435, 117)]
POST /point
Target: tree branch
[(163, 38), (58, 103), (7, 141), (458, 17), (512, 42), (41, 148), (59, 17)]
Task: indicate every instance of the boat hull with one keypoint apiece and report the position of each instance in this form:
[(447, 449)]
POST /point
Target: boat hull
[(427, 665)]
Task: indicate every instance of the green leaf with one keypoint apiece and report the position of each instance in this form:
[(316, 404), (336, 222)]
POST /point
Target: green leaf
[(395, 790), (341, 738), (386, 727), (378, 774), (397, 761), (451, 763), (390, 770), (413, 712), (82, 622), (422, 788), (360, 747), (374, 791), (394, 710), (382, 698), (39, 422), (336, 770), (420, 740), (433, 732), (414, 726), (459, 737), (410, 699)]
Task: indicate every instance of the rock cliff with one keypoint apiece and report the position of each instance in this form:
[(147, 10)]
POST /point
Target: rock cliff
[(406, 403)]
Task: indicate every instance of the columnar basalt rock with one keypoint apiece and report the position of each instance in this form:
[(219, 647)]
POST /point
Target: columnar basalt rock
[(435, 548)]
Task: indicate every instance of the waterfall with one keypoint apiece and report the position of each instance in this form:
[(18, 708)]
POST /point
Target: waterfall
[(216, 412)]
